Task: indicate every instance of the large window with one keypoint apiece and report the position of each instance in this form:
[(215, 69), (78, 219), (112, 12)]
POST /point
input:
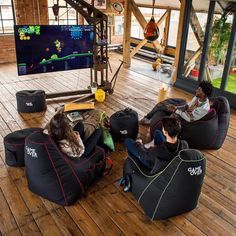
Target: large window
[(215, 59), (67, 15), (173, 28), (6, 17)]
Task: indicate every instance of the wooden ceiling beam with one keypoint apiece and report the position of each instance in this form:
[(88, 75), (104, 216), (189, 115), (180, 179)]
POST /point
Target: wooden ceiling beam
[(158, 7)]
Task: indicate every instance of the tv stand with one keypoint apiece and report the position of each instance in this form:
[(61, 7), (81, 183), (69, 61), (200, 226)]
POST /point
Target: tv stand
[(99, 72)]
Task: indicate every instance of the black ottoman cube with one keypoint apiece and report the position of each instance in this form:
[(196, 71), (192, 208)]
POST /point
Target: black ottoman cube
[(31, 101), (124, 124), (14, 146)]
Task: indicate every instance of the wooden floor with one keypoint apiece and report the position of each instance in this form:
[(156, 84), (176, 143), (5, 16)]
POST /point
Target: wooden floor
[(107, 210)]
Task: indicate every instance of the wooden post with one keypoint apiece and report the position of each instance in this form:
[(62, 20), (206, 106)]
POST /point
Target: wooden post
[(127, 32), (80, 19), (179, 37)]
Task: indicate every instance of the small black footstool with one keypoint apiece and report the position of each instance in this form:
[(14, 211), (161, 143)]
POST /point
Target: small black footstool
[(14, 144), (31, 101)]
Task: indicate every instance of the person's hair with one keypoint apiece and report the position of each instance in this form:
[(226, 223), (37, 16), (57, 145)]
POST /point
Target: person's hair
[(206, 88), (172, 126), (59, 129)]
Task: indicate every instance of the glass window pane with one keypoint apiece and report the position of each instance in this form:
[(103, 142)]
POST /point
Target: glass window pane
[(72, 22), (51, 3), (136, 29), (173, 28), (231, 79), (1, 30), (119, 25), (50, 13), (62, 3), (5, 2), (6, 12), (53, 22), (63, 13), (221, 30), (71, 13), (63, 22), (8, 26), (192, 43)]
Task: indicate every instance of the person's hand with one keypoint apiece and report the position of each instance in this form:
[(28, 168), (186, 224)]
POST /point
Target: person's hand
[(139, 140), (171, 108)]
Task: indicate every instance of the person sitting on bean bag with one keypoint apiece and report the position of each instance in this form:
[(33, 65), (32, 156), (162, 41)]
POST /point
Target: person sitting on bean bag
[(164, 147), (192, 111), (70, 141)]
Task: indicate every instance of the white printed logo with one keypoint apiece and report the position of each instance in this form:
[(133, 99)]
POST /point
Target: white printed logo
[(31, 152), (124, 131), (195, 170), (29, 104)]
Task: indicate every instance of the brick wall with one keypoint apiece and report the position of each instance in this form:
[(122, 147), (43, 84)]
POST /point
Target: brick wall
[(7, 49), (26, 12)]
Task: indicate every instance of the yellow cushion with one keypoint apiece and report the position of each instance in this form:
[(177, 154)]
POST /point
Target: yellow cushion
[(78, 106)]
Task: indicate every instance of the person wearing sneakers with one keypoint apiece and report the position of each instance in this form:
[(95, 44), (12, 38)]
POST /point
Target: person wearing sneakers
[(166, 146), (192, 111)]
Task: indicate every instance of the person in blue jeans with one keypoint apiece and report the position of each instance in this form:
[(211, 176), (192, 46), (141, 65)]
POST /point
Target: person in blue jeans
[(166, 146)]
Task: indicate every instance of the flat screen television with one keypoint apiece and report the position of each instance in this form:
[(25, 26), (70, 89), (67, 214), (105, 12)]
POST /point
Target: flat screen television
[(49, 48)]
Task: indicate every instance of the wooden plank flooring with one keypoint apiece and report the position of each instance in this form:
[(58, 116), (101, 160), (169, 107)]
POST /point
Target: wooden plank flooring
[(106, 209)]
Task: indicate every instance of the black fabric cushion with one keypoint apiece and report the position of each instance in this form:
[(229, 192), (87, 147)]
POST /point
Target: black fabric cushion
[(31, 101), (55, 176), (158, 116), (171, 192), (124, 124), (14, 144), (221, 105)]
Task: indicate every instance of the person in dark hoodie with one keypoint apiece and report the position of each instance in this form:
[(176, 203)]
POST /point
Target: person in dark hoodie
[(164, 147)]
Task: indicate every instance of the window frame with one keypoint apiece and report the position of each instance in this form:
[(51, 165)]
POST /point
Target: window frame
[(8, 19), (67, 7)]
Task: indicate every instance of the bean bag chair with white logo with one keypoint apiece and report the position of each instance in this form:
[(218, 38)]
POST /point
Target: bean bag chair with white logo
[(55, 176), (14, 144), (172, 191)]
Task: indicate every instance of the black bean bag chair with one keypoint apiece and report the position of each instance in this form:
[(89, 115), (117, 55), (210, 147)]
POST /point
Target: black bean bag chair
[(208, 132), (14, 144), (31, 101), (124, 124), (161, 113), (55, 176), (172, 191)]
